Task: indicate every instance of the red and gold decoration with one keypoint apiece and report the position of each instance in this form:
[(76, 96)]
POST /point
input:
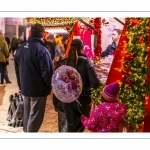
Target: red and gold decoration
[(55, 21), (96, 93), (98, 48), (146, 125), (130, 68), (116, 73), (74, 32)]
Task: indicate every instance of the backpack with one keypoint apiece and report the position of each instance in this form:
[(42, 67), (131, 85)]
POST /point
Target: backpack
[(15, 111)]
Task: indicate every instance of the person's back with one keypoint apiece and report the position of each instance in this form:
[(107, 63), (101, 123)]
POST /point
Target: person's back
[(7, 40), (34, 70), (14, 42), (108, 116), (51, 47), (19, 41), (89, 79), (30, 59), (88, 75), (3, 51)]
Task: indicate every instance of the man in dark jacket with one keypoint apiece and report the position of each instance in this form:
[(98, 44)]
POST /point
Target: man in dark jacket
[(34, 70)]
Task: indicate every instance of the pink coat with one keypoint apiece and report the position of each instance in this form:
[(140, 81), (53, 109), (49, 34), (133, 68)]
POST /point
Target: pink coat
[(105, 118)]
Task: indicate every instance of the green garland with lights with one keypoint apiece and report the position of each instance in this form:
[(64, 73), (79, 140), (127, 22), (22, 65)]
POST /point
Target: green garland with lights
[(133, 88), (96, 95)]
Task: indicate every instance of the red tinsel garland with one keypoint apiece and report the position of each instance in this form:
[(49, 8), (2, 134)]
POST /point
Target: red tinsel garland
[(98, 48)]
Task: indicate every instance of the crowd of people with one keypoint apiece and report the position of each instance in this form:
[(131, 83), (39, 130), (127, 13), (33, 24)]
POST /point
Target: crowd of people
[(35, 62)]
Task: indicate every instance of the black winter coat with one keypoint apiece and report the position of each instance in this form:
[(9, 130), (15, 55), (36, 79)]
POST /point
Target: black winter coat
[(89, 80), (34, 68), (110, 48)]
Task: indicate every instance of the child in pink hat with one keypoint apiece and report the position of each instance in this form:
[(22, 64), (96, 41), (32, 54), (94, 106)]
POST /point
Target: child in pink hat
[(109, 115)]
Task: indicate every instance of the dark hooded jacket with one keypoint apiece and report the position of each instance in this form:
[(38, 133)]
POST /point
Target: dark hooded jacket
[(34, 68)]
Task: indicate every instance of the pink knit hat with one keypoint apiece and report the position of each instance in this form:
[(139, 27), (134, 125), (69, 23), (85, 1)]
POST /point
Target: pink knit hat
[(110, 92)]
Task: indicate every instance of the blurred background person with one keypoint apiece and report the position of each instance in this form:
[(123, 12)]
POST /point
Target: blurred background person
[(14, 44), (111, 49), (7, 39), (50, 44), (4, 54)]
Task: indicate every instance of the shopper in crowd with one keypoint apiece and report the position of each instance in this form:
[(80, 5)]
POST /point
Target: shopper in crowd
[(34, 70), (59, 48), (50, 43), (19, 41), (62, 121), (65, 42), (7, 39), (4, 54), (14, 44), (108, 116), (89, 79), (111, 49)]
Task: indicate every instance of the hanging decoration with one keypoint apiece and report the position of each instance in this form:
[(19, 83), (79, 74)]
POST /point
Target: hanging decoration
[(105, 21), (96, 93), (55, 21), (97, 33)]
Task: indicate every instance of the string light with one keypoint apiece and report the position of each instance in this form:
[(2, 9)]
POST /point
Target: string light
[(55, 21), (133, 93)]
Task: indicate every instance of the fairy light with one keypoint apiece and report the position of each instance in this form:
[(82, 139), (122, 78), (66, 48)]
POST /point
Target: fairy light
[(55, 21), (133, 93)]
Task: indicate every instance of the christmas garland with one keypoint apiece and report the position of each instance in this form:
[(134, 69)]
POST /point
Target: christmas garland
[(133, 88), (98, 48), (96, 93)]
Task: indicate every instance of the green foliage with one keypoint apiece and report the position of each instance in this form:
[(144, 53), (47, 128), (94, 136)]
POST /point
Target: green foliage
[(134, 96), (96, 95)]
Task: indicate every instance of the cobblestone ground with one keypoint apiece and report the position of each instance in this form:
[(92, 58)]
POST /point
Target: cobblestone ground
[(50, 119)]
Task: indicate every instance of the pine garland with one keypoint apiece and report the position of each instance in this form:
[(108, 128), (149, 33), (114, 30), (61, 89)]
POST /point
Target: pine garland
[(133, 88)]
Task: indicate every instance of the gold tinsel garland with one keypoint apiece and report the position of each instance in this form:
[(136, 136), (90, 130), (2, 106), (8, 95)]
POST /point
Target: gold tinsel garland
[(55, 21)]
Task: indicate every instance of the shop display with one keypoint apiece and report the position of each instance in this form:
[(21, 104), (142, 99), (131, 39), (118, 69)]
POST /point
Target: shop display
[(103, 67)]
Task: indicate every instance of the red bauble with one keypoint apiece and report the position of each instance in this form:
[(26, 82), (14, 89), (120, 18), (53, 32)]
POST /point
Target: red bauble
[(91, 21), (129, 83), (135, 22), (141, 40), (127, 70), (129, 57)]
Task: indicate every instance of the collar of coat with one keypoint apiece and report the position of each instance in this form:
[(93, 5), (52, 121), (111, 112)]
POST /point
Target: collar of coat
[(36, 39)]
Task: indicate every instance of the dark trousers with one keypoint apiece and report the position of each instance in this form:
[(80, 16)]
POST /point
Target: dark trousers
[(33, 115), (13, 50), (2, 69), (73, 113), (6, 74)]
